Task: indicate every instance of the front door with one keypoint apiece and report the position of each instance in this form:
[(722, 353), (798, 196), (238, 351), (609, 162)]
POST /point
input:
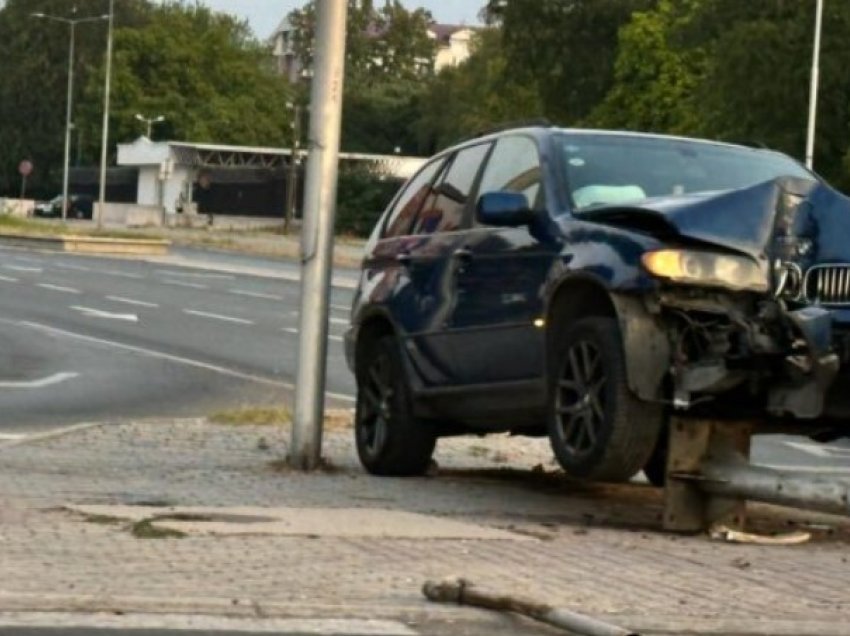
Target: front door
[(500, 300)]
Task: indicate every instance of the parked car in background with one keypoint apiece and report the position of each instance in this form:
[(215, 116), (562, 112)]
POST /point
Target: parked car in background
[(81, 206), (585, 284)]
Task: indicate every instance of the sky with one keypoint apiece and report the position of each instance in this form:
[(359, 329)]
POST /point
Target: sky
[(265, 15)]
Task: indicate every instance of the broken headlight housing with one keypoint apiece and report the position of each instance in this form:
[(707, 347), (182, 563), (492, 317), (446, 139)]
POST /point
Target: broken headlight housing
[(707, 269)]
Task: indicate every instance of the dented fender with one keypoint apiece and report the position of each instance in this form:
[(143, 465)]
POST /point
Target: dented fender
[(646, 346)]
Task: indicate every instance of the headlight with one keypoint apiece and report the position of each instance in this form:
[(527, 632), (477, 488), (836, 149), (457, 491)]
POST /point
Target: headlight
[(706, 269)]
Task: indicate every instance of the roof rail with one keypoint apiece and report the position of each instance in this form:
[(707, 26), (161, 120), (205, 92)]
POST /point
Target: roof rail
[(540, 122)]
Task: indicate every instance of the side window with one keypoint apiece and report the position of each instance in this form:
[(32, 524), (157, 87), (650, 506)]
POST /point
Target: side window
[(514, 166), (407, 205), (444, 208)]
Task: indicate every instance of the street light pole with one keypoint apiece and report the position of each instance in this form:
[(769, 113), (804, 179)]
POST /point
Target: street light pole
[(813, 97), (72, 23), (104, 140), (68, 124), (317, 233)]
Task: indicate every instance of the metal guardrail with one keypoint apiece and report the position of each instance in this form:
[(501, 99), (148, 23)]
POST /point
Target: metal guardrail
[(710, 479)]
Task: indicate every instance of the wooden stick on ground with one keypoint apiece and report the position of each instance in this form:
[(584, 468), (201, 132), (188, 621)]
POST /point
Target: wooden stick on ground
[(463, 592)]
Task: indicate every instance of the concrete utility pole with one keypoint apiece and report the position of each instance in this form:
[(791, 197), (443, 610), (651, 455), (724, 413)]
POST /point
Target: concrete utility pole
[(813, 97), (104, 142), (317, 233)]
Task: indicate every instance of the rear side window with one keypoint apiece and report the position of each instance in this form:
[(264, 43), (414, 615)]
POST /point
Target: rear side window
[(407, 205), (445, 206), (514, 166)]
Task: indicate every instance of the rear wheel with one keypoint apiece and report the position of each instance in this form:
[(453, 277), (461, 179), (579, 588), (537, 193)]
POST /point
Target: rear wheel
[(390, 440), (598, 429)]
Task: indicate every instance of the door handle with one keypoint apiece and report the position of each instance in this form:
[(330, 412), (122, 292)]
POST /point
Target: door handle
[(463, 254)]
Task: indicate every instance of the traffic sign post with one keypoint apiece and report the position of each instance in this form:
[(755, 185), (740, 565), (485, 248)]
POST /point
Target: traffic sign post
[(25, 170)]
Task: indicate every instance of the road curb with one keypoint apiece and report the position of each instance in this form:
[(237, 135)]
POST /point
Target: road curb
[(90, 244), (415, 613)]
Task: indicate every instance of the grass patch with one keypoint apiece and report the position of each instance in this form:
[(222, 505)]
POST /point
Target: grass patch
[(45, 228), (335, 419), (146, 529), (252, 416)]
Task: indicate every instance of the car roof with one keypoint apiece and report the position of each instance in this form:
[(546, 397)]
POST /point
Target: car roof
[(540, 132)]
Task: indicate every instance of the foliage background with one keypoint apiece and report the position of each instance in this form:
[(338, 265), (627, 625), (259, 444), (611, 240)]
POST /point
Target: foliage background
[(723, 69)]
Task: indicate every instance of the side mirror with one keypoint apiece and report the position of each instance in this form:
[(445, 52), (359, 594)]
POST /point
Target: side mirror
[(504, 209)]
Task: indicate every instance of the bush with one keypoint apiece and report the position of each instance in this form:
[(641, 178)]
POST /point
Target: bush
[(361, 198)]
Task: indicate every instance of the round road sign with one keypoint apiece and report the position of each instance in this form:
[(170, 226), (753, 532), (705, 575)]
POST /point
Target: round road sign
[(25, 168)]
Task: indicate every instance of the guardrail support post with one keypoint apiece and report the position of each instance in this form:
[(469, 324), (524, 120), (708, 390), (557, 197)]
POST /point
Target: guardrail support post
[(688, 506)]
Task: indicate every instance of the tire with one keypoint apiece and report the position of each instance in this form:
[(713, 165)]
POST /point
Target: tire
[(597, 428), (390, 441)]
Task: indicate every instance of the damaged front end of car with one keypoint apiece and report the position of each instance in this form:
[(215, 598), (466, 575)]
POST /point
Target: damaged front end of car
[(750, 308)]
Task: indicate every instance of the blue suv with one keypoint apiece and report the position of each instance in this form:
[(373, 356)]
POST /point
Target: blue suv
[(586, 284)]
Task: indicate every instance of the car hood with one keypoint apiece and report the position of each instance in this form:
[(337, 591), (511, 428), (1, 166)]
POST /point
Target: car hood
[(789, 218)]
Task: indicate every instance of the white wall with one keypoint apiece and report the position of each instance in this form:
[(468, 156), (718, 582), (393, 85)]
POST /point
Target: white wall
[(148, 185)]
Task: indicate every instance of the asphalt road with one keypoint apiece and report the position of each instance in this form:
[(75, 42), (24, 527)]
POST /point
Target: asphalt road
[(85, 339), (92, 338)]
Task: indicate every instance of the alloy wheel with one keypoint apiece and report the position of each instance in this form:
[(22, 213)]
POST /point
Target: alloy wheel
[(377, 394), (580, 398)]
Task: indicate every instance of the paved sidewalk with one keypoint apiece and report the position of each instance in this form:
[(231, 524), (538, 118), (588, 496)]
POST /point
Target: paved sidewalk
[(596, 550)]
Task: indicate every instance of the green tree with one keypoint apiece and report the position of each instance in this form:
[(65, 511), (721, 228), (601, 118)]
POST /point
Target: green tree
[(477, 95), (34, 63), (566, 47), (203, 71), (654, 78)]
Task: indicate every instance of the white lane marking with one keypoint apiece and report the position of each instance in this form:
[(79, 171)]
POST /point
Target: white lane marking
[(131, 301), (251, 294), (191, 275), (294, 331), (151, 353), (21, 268), (75, 268), (7, 279), (340, 308), (339, 321), (97, 313), (811, 449), (205, 314), (125, 275), (56, 378), (11, 437), (181, 283), (59, 288)]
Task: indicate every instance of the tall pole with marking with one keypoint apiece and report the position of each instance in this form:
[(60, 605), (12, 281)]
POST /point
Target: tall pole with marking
[(317, 232), (813, 97), (104, 141)]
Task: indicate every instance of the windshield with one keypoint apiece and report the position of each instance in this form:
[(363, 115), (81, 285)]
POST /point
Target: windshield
[(605, 169)]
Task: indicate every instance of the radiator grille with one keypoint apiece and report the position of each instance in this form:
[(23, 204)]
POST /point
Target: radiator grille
[(828, 285)]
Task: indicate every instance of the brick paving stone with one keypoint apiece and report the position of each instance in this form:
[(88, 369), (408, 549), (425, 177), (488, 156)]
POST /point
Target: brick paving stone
[(599, 549)]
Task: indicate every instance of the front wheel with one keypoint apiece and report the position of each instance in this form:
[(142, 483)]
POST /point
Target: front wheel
[(390, 440), (597, 428)]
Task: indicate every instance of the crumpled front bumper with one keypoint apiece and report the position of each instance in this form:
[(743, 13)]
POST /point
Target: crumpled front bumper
[(777, 361)]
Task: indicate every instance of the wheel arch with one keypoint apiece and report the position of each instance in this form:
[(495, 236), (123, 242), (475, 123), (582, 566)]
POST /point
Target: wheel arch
[(646, 346)]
